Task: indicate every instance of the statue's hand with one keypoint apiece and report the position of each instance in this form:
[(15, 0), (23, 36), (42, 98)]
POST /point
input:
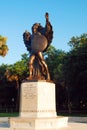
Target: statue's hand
[(47, 17)]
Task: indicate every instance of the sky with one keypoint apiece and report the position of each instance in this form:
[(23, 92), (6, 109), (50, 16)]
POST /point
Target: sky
[(68, 18)]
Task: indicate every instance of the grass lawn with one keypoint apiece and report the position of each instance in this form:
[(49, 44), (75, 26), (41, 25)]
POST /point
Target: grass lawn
[(15, 114), (9, 114), (72, 114)]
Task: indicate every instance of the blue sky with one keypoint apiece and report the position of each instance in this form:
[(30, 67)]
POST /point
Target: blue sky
[(68, 17)]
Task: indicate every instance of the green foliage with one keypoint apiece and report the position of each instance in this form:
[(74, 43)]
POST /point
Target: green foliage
[(76, 42), (3, 46), (75, 73), (76, 61), (54, 59), (2, 71), (20, 68)]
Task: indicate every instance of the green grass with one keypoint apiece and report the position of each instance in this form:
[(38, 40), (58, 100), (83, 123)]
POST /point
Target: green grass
[(15, 114), (72, 114), (9, 114)]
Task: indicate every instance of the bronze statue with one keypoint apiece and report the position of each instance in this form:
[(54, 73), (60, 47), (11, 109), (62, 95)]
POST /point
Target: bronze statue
[(36, 44)]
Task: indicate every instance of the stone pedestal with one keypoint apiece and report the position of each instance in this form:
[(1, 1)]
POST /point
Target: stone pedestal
[(37, 99), (37, 107)]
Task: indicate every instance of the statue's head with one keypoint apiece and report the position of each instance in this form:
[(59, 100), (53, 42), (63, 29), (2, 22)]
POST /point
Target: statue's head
[(35, 27)]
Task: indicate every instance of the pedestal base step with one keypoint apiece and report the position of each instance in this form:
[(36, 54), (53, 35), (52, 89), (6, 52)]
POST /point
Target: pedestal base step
[(38, 123)]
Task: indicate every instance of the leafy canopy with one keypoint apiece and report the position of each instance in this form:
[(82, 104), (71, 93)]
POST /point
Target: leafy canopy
[(3, 46)]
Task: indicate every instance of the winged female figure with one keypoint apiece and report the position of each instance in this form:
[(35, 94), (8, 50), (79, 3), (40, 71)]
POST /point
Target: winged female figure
[(36, 44)]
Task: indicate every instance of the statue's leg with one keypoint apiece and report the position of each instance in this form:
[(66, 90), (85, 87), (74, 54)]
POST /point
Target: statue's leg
[(31, 61), (40, 56)]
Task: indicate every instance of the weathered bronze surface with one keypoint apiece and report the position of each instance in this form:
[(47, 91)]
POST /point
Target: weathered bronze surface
[(36, 44)]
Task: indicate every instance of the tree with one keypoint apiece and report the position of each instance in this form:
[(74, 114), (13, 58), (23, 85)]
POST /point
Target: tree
[(3, 46), (15, 74), (3, 52), (75, 72), (54, 58), (76, 42)]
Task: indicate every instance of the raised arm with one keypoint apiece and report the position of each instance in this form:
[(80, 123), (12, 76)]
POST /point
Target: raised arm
[(47, 17)]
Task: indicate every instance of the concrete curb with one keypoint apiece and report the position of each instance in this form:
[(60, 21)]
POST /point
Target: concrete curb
[(4, 119), (77, 119)]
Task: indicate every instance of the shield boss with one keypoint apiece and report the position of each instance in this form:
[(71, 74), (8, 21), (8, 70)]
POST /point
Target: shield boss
[(38, 43)]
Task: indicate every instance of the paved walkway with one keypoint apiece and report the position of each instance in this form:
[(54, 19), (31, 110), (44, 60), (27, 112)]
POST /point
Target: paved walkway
[(75, 126), (4, 122), (71, 126)]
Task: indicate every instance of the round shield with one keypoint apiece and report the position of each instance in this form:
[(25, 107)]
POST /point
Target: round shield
[(38, 42)]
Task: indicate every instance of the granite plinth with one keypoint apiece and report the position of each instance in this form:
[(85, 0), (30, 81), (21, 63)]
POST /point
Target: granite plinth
[(37, 99)]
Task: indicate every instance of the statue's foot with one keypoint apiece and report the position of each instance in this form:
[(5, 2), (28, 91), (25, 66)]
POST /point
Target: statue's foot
[(48, 77), (29, 78)]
